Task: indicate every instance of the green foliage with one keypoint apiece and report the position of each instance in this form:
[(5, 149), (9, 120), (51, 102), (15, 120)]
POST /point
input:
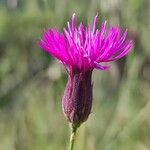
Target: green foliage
[(32, 83)]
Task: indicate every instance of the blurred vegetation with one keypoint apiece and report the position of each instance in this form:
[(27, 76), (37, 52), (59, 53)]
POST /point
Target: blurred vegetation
[(32, 83)]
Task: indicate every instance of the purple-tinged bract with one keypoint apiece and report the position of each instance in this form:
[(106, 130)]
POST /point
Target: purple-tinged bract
[(81, 49), (77, 99)]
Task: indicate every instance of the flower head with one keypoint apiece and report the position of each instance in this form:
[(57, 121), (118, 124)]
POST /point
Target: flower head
[(81, 49), (86, 48)]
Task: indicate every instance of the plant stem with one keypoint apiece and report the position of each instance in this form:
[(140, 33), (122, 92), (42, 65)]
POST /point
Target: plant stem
[(72, 137)]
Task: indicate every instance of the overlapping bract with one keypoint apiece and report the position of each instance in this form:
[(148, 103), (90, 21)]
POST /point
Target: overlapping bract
[(85, 48)]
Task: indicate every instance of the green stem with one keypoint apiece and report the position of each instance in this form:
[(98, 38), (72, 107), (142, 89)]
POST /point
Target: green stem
[(72, 137)]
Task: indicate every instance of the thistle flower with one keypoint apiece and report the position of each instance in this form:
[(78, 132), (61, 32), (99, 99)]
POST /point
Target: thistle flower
[(82, 49)]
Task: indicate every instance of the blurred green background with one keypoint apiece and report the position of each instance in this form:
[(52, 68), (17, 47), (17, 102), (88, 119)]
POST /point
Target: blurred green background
[(32, 83)]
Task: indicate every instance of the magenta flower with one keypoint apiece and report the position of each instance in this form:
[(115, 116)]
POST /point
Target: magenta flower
[(81, 49)]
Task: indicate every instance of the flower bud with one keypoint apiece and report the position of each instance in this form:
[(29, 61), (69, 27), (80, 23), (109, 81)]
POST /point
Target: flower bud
[(77, 99)]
